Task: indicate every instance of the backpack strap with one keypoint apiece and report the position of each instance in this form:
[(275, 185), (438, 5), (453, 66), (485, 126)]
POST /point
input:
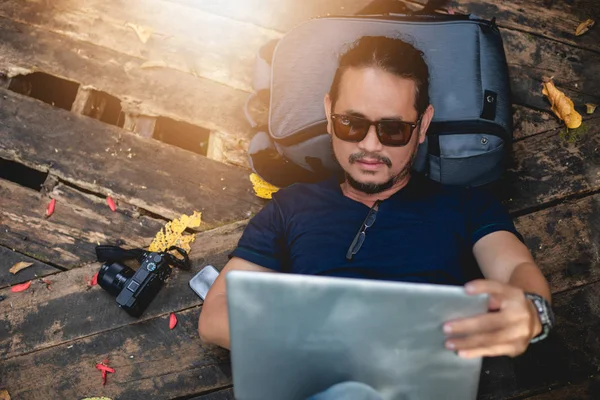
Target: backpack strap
[(107, 253)]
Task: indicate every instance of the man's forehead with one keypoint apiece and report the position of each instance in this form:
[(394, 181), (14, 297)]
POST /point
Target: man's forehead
[(372, 92)]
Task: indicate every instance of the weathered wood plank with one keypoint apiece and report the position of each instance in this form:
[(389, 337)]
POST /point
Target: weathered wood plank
[(150, 91), (82, 101), (565, 242), (274, 14), (528, 122), (109, 161), (567, 252), (150, 361), (569, 360), (531, 59), (140, 124), (36, 319), (554, 19), (80, 222), (547, 168), (199, 43), (9, 257), (570, 355), (226, 394)]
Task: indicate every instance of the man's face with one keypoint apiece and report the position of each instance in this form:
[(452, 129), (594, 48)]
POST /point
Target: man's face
[(375, 94)]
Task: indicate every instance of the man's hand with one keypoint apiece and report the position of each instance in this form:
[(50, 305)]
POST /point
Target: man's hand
[(512, 321)]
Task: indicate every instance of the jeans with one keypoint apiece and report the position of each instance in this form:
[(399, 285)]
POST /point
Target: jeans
[(348, 391)]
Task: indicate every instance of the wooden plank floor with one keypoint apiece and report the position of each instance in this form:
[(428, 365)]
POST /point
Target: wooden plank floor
[(52, 337)]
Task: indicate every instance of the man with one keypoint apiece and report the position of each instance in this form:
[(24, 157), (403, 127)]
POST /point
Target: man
[(409, 229)]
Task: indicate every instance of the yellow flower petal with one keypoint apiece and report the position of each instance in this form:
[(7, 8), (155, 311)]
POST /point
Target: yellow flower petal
[(172, 233), (262, 188)]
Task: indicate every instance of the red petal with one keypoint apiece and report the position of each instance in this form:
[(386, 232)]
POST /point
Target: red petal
[(50, 209), (111, 203), (21, 287), (172, 321), (105, 368), (94, 279)]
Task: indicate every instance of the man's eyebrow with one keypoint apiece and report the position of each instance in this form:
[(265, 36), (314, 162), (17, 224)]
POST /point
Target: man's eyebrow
[(354, 113)]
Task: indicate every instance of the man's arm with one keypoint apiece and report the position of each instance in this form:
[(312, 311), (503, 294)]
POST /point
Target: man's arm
[(510, 270), (213, 325), (504, 258)]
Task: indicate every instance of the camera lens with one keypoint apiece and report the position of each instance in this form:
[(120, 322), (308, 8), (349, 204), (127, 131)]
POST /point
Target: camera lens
[(113, 277)]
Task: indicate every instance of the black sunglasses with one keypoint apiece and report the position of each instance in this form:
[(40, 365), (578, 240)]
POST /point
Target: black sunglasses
[(391, 132), (362, 232)]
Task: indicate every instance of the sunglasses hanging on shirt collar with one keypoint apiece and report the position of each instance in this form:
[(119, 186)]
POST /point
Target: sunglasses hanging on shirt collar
[(362, 232)]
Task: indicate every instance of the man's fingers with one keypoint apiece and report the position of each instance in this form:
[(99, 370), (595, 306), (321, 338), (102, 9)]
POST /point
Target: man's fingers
[(512, 337), (495, 302), (480, 286), (481, 323), (493, 351)]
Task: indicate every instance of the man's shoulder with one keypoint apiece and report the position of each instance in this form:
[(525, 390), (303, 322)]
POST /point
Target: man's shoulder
[(299, 193), (427, 190)]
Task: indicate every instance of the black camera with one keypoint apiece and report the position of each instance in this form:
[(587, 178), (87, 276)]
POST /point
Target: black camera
[(135, 289)]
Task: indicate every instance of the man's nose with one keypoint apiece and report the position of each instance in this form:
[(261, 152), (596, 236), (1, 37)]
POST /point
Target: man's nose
[(371, 142)]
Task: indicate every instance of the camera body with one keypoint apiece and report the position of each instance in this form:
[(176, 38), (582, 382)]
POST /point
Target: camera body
[(135, 289)]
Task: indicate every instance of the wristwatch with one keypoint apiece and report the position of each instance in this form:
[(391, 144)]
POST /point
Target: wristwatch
[(544, 312)]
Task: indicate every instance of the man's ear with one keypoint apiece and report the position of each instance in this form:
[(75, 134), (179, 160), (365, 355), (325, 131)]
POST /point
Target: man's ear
[(327, 105), (425, 122)]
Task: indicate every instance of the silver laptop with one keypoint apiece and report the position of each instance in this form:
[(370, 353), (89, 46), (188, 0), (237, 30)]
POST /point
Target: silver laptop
[(295, 335)]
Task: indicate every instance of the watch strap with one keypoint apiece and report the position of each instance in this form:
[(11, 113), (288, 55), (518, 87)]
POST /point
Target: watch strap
[(545, 315)]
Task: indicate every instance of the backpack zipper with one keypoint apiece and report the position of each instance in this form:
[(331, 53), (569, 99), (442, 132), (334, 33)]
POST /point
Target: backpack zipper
[(419, 18)]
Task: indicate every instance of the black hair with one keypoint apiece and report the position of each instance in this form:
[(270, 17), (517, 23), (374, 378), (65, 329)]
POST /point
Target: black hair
[(391, 55)]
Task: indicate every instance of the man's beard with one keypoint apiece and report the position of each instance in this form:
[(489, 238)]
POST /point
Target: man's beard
[(375, 188)]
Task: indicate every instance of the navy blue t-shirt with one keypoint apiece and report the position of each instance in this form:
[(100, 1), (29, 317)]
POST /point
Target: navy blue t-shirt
[(423, 233)]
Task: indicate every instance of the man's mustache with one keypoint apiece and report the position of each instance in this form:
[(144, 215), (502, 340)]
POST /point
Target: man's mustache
[(371, 156)]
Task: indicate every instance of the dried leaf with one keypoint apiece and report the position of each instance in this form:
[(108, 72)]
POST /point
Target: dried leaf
[(142, 32), (172, 233), (562, 106), (19, 267), (21, 287), (172, 321), (584, 27), (262, 188), (97, 398), (590, 107)]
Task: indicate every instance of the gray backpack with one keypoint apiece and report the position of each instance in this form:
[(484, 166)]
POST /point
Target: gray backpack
[(469, 88)]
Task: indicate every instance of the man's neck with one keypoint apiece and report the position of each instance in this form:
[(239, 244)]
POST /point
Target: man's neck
[(369, 199)]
